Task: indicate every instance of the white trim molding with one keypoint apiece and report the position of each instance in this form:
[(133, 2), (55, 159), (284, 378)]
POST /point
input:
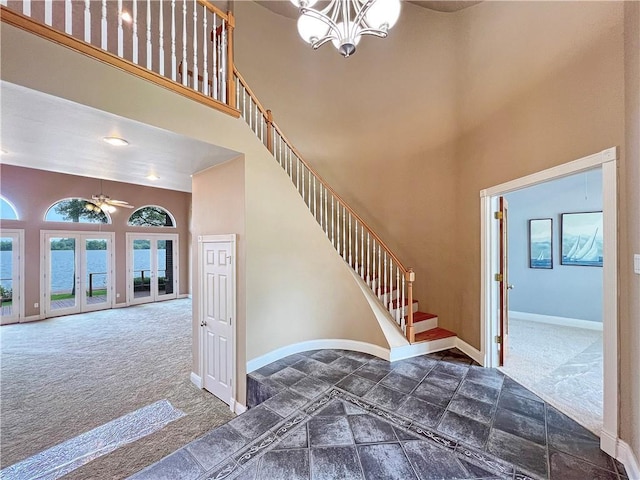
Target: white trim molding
[(550, 319), (196, 379), (337, 343), (607, 160), (626, 456), (468, 350), (240, 408)]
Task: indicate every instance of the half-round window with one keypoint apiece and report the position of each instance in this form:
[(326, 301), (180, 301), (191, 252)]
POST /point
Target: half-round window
[(7, 210), (151, 216), (76, 210)]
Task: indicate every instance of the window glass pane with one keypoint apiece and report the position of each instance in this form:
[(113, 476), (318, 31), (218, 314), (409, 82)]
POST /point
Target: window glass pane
[(151, 217), (76, 210), (7, 212)]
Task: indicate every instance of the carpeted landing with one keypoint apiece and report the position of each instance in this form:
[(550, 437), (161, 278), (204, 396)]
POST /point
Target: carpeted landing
[(65, 376)]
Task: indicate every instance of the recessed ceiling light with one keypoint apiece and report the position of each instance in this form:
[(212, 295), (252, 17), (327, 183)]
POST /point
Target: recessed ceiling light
[(151, 176), (116, 141), (126, 17)]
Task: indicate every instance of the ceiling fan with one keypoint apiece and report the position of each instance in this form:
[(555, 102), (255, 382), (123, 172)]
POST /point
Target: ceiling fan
[(105, 203)]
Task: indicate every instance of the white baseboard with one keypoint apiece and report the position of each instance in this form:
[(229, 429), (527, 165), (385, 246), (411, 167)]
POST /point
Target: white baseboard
[(563, 321), (196, 380), (627, 457), (608, 442), (342, 344), (469, 350), (240, 409), (416, 349)]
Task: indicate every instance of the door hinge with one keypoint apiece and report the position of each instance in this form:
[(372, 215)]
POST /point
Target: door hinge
[(498, 277), (497, 215), (498, 339)]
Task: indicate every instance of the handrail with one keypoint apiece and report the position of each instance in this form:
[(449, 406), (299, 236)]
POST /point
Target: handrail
[(374, 261), (212, 8)]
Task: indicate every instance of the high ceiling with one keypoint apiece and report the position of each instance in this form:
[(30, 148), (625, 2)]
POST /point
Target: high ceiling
[(49, 133)]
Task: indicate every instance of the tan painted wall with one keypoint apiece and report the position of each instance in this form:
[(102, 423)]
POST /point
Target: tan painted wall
[(34, 191), (219, 209), (630, 224)]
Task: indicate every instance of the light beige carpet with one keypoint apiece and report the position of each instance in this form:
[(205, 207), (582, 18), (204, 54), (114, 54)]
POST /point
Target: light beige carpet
[(64, 376), (562, 365)]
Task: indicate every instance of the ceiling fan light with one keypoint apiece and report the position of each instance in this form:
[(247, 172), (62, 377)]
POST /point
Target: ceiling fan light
[(311, 28), (90, 206), (383, 14)]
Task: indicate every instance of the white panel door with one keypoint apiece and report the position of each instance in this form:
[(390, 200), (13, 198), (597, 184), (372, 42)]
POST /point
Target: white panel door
[(152, 266), (217, 317)]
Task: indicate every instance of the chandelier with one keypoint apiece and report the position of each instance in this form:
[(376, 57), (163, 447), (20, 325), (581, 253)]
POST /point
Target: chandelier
[(344, 22)]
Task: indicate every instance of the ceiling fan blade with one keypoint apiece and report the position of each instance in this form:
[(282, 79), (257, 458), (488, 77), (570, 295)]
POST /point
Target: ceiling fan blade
[(117, 202)]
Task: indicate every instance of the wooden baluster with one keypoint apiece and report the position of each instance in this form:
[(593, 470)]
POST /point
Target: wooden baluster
[(338, 244), (403, 326), (250, 107), (185, 64), (321, 217), (309, 190), (355, 264), (344, 233), (257, 112), (161, 59), (270, 129), (223, 60), (26, 8), (369, 259), (87, 21), (237, 94), (68, 17), (314, 199), (379, 281), (134, 34), (120, 31), (195, 46), (326, 214), (290, 163), (174, 62), (411, 276), (103, 26), (350, 243), (373, 266), (399, 315), (333, 224), (303, 168), (149, 50), (48, 12), (229, 57), (362, 252), (298, 173), (244, 102), (384, 274), (214, 50)]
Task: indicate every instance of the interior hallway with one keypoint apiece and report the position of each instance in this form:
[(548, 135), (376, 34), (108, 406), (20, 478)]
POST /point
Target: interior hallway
[(64, 376)]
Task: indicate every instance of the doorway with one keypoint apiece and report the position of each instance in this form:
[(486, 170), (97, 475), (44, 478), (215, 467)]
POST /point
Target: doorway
[(490, 265), (77, 273), (152, 267), (11, 275), (217, 318)]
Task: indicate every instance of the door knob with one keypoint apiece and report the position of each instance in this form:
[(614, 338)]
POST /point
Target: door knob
[(510, 287), (203, 323)]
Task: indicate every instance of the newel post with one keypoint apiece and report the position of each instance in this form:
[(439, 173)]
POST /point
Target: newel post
[(231, 91), (270, 131), (410, 277)]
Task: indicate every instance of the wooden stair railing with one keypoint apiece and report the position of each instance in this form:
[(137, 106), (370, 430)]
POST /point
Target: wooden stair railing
[(350, 235)]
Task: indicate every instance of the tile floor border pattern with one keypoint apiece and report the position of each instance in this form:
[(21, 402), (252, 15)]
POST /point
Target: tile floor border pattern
[(238, 462)]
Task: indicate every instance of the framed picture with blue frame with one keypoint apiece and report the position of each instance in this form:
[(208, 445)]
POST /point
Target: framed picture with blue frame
[(541, 243), (582, 239)]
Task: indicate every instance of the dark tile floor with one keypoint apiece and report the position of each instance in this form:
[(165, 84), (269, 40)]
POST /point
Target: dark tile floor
[(333, 414)]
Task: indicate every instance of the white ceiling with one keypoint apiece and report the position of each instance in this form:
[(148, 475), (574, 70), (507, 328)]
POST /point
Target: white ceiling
[(49, 133)]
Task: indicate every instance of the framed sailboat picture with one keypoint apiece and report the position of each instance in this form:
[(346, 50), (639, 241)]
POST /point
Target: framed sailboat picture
[(540, 241), (582, 239)]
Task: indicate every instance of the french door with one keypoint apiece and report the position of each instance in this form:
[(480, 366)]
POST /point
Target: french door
[(11, 268), (77, 272), (152, 267)]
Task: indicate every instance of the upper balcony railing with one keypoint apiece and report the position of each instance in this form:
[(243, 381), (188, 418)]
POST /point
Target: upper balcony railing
[(187, 46), (184, 45)]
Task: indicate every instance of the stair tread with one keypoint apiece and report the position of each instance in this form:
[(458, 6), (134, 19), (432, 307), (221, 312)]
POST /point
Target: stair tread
[(422, 316), (396, 302), (433, 334)]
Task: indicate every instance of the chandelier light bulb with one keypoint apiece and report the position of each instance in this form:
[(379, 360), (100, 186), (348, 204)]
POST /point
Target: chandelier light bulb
[(349, 41), (311, 29), (383, 14)]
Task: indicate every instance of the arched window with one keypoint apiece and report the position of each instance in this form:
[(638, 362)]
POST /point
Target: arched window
[(151, 216), (7, 210), (77, 210)]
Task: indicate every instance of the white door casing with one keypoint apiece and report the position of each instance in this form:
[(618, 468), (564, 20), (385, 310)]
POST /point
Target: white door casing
[(217, 315), (489, 251)]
